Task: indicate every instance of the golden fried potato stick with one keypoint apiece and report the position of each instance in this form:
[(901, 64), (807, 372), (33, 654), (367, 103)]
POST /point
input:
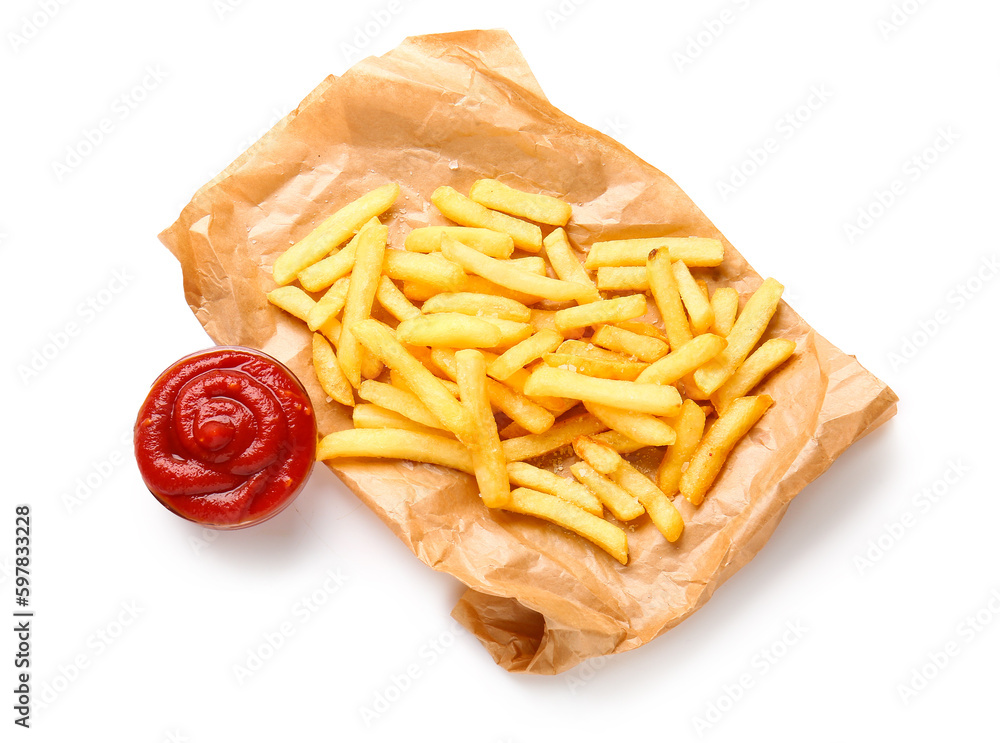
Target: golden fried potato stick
[(725, 305), (468, 213), (512, 403), (393, 300), (428, 268), (690, 427), (642, 428), (749, 327), (698, 307), (490, 242), (592, 367), (603, 533), (662, 512), (360, 297), (400, 401), (329, 305), (601, 311), (622, 278), (560, 435), (395, 444), (546, 320), (536, 207), (597, 454), (644, 398), (382, 343), (292, 300), (502, 273), (328, 372), (693, 354), (333, 231), (759, 364), (663, 285), (618, 441), (722, 436), (511, 333), (523, 353), (479, 305), (369, 415), (529, 476), (694, 251), (448, 330), (642, 347), (565, 263), (336, 266), (487, 455), (621, 503)]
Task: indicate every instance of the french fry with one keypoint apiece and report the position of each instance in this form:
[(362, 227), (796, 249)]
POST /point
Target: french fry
[(369, 415), (663, 286), (713, 450), (523, 353), (333, 231), (487, 455), (694, 251), (429, 268), (418, 291), (292, 300), (601, 311), (512, 403), (603, 533), (690, 427), (590, 351), (698, 307), (662, 512), (531, 263), (448, 330), (597, 454), (618, 441), (536, 207), (560, 435), (393, 300), (480, 305), (397, 400), (513, 430), (395, 444), (565, 263), (381, 342), (511, 333), (642, 428), (641, 347), (325, 273), (328, 372), (725, 305), (622, 278), (772, 354), (643, 328), (554, 404), (329, 305), (467, 212), (360, 296), (592, 367), (529, 476), (644, 398), (490, 242), (503, 274), (749, 327), (546, 320), (623, 505), (693, 354)]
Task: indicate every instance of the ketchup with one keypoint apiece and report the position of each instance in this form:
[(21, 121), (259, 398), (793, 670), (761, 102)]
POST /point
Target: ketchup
[(226, 437)]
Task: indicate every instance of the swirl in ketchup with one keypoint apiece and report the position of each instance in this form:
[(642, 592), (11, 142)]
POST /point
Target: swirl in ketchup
[(226, 437)]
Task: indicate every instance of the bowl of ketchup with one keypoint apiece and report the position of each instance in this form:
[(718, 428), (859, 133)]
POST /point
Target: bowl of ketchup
[(226, 437)]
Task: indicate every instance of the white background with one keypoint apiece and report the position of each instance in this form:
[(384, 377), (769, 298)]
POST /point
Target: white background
[(142, 619)]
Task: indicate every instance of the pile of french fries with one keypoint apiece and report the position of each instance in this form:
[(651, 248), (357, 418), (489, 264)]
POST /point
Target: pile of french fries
[(475, 346)]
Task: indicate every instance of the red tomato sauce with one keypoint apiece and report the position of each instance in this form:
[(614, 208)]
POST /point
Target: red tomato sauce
[(226, 437)]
